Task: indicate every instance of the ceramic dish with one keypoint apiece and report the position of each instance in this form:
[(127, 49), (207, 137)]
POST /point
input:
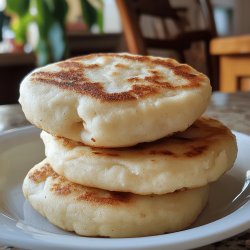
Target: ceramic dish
[(227, 213)]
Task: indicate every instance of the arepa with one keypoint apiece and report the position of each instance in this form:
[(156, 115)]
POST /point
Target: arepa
[(188, 159), (96, 212), (114, 100)]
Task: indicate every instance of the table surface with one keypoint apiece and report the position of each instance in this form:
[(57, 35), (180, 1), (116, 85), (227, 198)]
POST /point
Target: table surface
[(232, 109)]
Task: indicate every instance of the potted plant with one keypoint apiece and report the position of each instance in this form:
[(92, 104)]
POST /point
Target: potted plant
[(50, 19)]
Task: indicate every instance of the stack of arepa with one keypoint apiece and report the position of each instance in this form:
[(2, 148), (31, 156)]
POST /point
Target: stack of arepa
[(127, 152)]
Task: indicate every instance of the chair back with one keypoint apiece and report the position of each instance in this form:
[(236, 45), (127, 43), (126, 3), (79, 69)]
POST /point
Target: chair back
[(166, 18)]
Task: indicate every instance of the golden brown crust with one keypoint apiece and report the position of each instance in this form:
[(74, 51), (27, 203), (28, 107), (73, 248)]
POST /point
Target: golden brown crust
[(113, 198), (63, 187), (72, 76), (195, 145), (40, 175)]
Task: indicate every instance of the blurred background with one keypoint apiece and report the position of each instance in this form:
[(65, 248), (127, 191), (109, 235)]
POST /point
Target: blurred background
[(211, 35)]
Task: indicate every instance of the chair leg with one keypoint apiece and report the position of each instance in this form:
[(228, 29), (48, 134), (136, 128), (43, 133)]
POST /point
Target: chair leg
[(215, 79), (212, 64)]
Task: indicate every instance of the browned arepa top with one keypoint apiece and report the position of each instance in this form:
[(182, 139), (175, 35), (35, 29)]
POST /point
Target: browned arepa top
[(62, 187), (72, 76)]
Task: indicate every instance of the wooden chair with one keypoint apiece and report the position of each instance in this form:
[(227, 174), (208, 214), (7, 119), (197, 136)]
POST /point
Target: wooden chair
[(131, 12), (234, 59)]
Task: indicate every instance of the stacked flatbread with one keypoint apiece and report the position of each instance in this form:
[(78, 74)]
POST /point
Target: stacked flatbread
[(127, 152)]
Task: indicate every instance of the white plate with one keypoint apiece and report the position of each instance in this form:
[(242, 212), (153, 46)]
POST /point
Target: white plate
[(21, 226)]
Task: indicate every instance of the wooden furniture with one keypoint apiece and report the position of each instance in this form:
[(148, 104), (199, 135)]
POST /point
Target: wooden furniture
[(84, 43), (234, 59), (131, 12), (13, 68)]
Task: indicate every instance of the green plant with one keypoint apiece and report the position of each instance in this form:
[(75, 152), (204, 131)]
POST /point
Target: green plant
[(1, 26), (92, 11), (19, 10), (51, 20), (50, 17)]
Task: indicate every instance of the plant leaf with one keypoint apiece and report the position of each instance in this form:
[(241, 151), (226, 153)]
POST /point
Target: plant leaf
[(18, 7), (44, 17), (59, 10), (51, 18), (57, 41), (2, 19), (100, 20), (43, 52), (20, 26), (89, 13)]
